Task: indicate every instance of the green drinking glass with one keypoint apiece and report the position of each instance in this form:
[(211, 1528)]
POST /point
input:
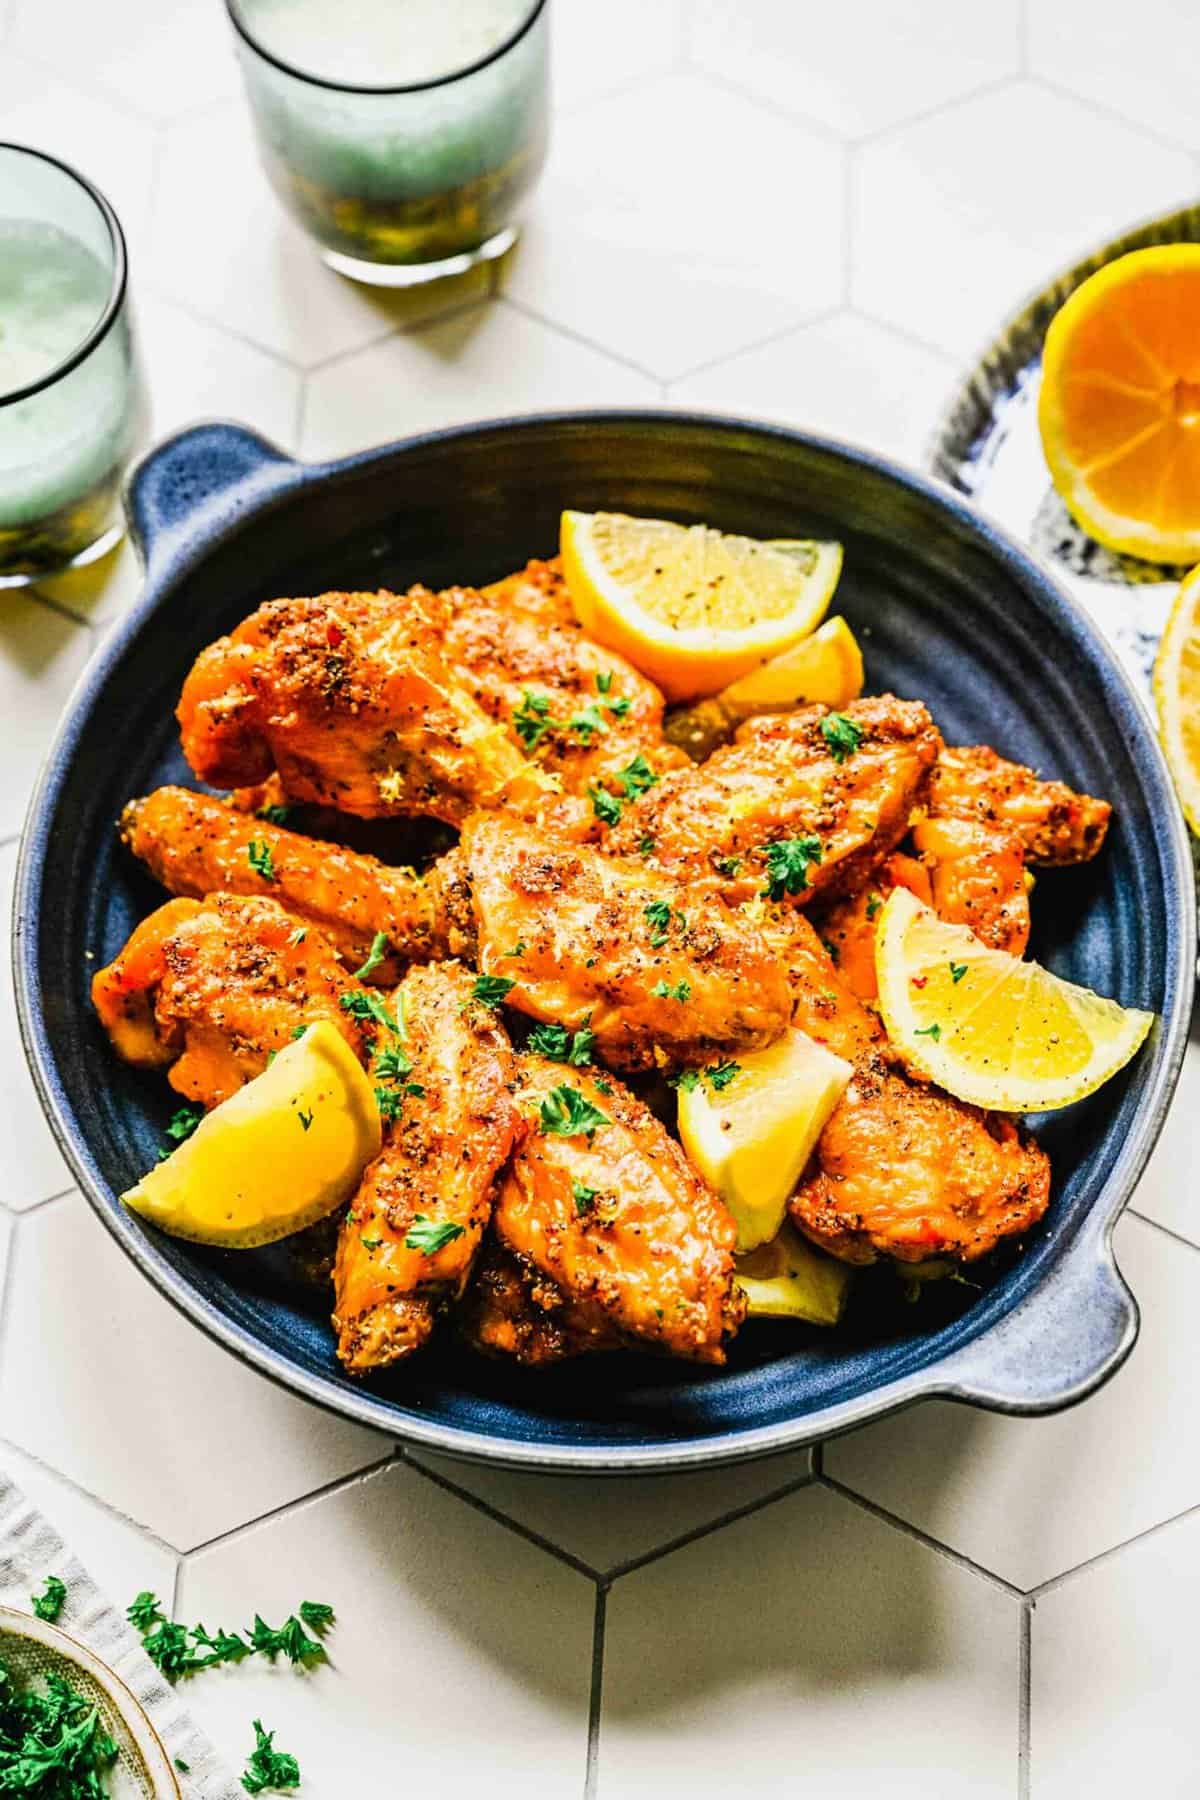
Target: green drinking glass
[(72, 407), (403, 135)]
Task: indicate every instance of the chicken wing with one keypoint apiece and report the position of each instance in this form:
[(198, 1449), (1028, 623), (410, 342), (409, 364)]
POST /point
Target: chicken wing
[(1054, 823), (411, 1235), (659, 974), (901, 1168), (511, 1310), (196, 844), (800, 803), (847, 923), (213, 987), (977, 878), (598, 1198)]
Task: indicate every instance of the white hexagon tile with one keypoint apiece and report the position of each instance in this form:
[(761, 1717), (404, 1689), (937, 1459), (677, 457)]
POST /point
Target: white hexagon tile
[(809, 216)]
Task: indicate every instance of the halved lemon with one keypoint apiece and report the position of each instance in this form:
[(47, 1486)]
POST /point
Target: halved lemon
[(988, 1027), (284, 1151), (825, 667), (751, 1132), (1177, 695), (691, 607), (1120, 404), (788, 1279)]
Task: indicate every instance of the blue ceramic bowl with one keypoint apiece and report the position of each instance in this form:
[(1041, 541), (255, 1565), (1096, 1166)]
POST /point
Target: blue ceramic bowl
[(948, 610)]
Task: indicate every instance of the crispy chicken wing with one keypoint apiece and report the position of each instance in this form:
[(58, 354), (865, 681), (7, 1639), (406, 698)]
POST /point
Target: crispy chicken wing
[(847, 923), (413, 1230), (661, 975), (196, 844), (901, 1169), (977, 878), (614, 1214), (840, 805), (1054, 823), (213, 987), (511, 1309)]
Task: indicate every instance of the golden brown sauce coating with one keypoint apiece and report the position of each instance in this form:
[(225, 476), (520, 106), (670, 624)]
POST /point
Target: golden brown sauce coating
[(1054, 823)]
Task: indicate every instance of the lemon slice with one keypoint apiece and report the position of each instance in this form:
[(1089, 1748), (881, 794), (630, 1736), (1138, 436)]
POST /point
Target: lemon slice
[(1177, 695), (987, 1027), (691, 607), (826, 667), (751, 1137), (1119, 409), (284, 1151), (788, 1279)]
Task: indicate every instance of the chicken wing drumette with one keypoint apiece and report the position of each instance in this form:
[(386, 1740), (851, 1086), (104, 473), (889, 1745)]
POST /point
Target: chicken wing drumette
[(413, 1230)]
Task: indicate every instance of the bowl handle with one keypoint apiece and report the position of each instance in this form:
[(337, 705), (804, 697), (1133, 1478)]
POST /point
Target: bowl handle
[(1063, 1341), (200, 476)]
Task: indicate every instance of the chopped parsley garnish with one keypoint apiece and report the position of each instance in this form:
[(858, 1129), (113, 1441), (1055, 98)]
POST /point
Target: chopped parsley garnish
[(297, 937), (719, 1075), (258, 855), (375, 955), (49, 1603), (305, 1119), (681, 991), (604, 681), (788, 863), (275, 815), (728, 866), (582, 1195), (267, 1767), (491, 990), (370, 1006), (606, 806), (390, 1102), (933, 1031), (291, 1640), (620, 706), (658, 917), (842, 735), (587, 723), (431, 1235), (178, 1649), (957, 971), (830, 948), (685, 1080), (298, 1031), (53, 1745), (557, 1044), (317, 1614), (637, 777), (604, 1086), (183, 1122), (646, 845), (565, 1112), (393, 1064), (874, 903), (185, 1768), (531, 720), (370, 1244), (518, 949)]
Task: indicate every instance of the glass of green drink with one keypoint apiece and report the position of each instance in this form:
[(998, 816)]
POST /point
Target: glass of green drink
[(404, 135), (71, 395)]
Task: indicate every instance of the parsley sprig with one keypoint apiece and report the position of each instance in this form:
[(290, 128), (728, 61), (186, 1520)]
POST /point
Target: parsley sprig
[(375, 955), (788, 863), (557, 1044), (565, 1112), (491, 990), (177, 1649), (258, 855), (49, 1603), (431, 1235), (842, 735), (267, 1767), (183, 1122), (52, 1743)]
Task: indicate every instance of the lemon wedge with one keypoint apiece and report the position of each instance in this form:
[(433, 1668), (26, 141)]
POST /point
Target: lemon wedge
[(1119, 409), (1177, 695), (826, 667), (284, 1151), (751, 1137), (691, 607), (788, 1279), (988, 1027)]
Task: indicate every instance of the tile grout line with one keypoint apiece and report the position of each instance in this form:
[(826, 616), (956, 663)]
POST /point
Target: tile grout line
[(453, 309), (634, 1563), (1054, 1582), (826, 134), (1109, 114), (334, 1486), (880, 133), (503, 298), (1024, 1694), (763, 343), (85, 1493), (922, 1537), (23, 1212), (591, 1776), (1176, 1237), (498, 1518), (954, 363)]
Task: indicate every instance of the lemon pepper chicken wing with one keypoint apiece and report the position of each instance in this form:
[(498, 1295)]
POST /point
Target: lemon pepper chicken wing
[(511, 1309), (602, 1201), (211, 988), (196, 844), (901, 1168), (1055, 824), (806, 802), (412, 1233)]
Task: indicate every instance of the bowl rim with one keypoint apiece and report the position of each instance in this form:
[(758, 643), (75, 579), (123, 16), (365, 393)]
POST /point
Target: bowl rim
[(219, 520)]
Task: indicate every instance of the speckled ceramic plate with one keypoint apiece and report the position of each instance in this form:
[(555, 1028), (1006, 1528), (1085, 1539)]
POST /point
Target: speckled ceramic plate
[(987, 446)]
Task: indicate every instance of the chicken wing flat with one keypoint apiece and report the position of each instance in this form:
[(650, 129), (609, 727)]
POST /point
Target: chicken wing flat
[(977, 878), (901, 1168), (801, 803), (601, 1200), (847, 924), (196, 844), (413, 1230), (659, 974), (510, 1309), (213, 987), (348, 698), (1054, 823)]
